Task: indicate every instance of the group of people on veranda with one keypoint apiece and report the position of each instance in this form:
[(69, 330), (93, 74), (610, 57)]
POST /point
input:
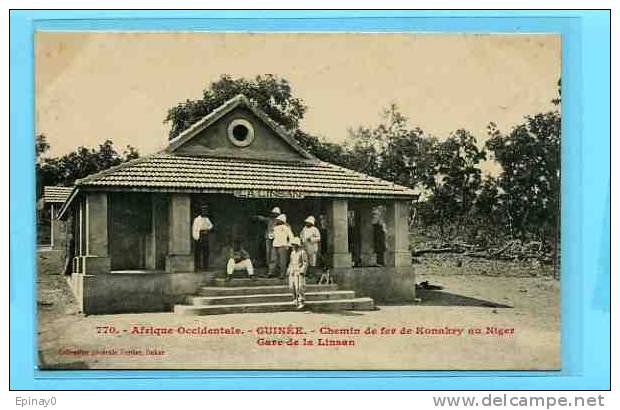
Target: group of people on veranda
[(286, 254), (290, 255)]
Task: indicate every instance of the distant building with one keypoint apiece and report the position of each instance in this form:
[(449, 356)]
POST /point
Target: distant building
[(48, 225), (133, 242), (51, 231)]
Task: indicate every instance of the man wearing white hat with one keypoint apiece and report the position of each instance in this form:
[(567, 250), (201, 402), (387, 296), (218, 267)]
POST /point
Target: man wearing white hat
[(379, 234), (310, 240), (270, 222), (297, 267), (282, 235)]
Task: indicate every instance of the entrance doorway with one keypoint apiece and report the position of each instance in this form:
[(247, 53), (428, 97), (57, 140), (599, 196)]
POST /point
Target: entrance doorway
[(235, 220), (130, 224)]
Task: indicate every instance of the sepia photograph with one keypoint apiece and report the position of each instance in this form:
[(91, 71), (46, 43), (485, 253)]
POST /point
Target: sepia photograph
[(323, 201)]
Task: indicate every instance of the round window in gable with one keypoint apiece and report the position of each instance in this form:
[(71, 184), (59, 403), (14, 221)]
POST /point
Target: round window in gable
[(240, 132)]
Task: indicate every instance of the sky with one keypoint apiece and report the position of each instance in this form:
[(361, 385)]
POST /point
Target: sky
[(92, 86)]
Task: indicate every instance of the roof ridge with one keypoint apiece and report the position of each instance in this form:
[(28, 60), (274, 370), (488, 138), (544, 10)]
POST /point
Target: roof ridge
[(278, 129), (252, 160), (229, 104)]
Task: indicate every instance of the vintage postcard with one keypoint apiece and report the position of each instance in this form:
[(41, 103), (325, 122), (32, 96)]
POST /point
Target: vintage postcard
[(297, 201)]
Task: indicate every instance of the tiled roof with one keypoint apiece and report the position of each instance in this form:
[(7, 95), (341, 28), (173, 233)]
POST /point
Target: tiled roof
[(168, 172), (56, 194)]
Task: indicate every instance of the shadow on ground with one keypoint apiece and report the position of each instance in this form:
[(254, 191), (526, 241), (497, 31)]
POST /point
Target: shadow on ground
[(443, 298)]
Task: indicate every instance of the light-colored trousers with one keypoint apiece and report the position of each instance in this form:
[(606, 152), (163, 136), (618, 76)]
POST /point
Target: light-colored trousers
[(280, 257), (269, 260), (245, 264), (297, 283), (312, 250)]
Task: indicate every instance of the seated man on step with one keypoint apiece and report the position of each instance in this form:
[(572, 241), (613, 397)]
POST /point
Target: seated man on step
[(239, 261)]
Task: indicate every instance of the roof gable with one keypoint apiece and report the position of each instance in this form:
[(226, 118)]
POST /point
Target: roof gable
[(259, 137)]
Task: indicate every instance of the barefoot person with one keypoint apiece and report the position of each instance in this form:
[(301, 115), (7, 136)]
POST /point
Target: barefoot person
[(297, 267)]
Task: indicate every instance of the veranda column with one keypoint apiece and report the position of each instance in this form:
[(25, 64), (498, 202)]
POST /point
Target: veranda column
[(96, 259), (367, 251), (339, 255), (180, 257), (397, 221)]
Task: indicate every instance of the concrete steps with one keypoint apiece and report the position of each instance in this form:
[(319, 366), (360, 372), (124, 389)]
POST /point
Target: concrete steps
[(319, 306), (266, 298), (243, 282), (265, 295), (254, 290)]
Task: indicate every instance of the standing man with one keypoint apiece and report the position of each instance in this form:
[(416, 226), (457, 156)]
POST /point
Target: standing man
[(270, 222), (354, 238), (310, 240), (282, 235), (200, 232), (297, 268), (379, 232)]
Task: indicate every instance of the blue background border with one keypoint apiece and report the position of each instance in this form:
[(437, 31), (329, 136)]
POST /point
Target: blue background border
[(585, 286)]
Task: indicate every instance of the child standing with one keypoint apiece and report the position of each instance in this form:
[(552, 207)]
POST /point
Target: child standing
[(298, 265)]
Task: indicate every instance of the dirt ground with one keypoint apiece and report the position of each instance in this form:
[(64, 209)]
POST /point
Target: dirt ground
[(490, 315)]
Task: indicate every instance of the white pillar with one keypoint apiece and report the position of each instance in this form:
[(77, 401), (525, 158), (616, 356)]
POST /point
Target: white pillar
[(337, 214), (397, 221), (180, 258), (96, 258)]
